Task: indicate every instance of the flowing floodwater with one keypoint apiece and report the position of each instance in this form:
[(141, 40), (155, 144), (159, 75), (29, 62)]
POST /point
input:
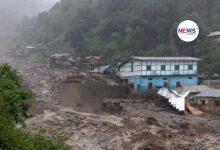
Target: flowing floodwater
[(139, 126)]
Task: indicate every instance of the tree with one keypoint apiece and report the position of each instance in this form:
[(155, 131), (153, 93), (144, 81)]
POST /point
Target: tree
[(13, 110)]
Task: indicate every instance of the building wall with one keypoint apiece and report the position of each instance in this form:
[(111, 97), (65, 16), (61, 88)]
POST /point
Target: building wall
[(141, 83), (211, 105), (139, 68)]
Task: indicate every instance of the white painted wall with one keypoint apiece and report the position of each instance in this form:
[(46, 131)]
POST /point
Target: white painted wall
[(140, 68)]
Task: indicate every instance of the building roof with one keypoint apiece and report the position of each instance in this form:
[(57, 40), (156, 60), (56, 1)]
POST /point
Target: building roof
[(216, 33), (61, 54), (94, 57), (102, 69), (158, 58), (193, 88), (210, 93), (166, 58)]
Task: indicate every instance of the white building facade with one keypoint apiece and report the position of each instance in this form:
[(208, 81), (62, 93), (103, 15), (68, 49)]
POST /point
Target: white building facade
[(152, 72)]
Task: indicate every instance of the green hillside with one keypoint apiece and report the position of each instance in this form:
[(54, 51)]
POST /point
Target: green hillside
[(120, 28)]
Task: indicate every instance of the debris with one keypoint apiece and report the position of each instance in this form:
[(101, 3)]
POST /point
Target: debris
[(193, 110), (61, 60), (140, 125), (175, 99), (151, 121), (112, 105)]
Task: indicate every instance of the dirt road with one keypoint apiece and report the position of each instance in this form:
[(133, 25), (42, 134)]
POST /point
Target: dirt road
[(140, 126)]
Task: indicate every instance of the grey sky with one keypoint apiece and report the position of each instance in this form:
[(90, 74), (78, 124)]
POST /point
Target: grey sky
[(13, 11)]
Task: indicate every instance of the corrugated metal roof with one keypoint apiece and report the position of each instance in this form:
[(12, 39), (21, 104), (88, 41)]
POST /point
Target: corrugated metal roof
[(216, 33), (209, 93), (61, 55), (166, 58), (193, 88)]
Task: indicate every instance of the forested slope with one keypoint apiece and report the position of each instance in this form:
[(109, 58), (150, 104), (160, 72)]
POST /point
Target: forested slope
[(120, 28), (13, 11)]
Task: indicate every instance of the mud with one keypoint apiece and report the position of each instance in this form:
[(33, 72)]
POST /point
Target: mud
[(74, 109)]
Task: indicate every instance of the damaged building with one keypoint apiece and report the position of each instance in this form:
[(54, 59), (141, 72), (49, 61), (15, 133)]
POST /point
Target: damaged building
[(61, 60), (151, 73), (209, 101)]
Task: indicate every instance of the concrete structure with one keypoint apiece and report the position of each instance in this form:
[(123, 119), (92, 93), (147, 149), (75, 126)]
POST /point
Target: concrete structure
[(61, 60), (209, 101), (151, 73)]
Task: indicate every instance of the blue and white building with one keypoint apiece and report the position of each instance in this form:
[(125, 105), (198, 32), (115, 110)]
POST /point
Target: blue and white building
[(151, 73)]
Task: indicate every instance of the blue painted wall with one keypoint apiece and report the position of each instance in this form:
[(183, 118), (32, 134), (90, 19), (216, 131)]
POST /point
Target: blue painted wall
[(141, 83)]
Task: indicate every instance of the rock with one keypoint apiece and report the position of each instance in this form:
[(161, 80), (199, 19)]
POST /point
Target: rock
[(112, 105)]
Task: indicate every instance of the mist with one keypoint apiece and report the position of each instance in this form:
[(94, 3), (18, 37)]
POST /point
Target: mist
[(12, 12)]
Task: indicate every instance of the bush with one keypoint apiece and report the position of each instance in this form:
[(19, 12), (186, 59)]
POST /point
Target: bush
[(13, 110)]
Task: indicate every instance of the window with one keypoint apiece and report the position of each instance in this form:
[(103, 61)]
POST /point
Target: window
[(190, 77), (148, 68), (165, 84), (177, 67), (178, 84), (217, 103), (150, 79), (190, 67), (163, 67), (150, 85), (132, 66), (138, 87), (165, 79)]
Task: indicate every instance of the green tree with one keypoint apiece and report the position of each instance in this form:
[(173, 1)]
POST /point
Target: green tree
[(13, 111)]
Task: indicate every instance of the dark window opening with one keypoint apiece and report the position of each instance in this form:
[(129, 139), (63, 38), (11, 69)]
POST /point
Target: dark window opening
[(190, 67), (138, 87), (131, 85), (150, 85), (217, 103), (150, 79), (148, 67), (165, 84), (190, 77), (132, 66), (177, 67), (165, 79), (178, 84), (203, 102), (163, 67)]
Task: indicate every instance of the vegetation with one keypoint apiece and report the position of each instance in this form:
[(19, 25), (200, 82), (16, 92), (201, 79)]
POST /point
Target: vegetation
[(13, 111), (120, 28), (13, 11)]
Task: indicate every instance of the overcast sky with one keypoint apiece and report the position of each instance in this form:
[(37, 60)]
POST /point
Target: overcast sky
[(13, 11), (25, 7)]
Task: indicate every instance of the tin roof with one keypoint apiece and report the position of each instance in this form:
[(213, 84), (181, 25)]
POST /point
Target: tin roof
[(209, 93), (193, 88), (159, 58), (60, 55), (216, 33), (166, 58)]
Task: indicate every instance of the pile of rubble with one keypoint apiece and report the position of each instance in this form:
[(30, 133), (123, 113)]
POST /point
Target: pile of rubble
[(140, 124)]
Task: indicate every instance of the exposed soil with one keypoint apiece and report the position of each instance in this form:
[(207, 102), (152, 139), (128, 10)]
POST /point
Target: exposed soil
[(74, 108)]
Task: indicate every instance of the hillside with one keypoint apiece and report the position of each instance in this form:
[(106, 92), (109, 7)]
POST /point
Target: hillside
[(118, 29), (12, 12)]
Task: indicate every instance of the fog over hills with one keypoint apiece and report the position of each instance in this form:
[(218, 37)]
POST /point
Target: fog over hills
[(13, 11)]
